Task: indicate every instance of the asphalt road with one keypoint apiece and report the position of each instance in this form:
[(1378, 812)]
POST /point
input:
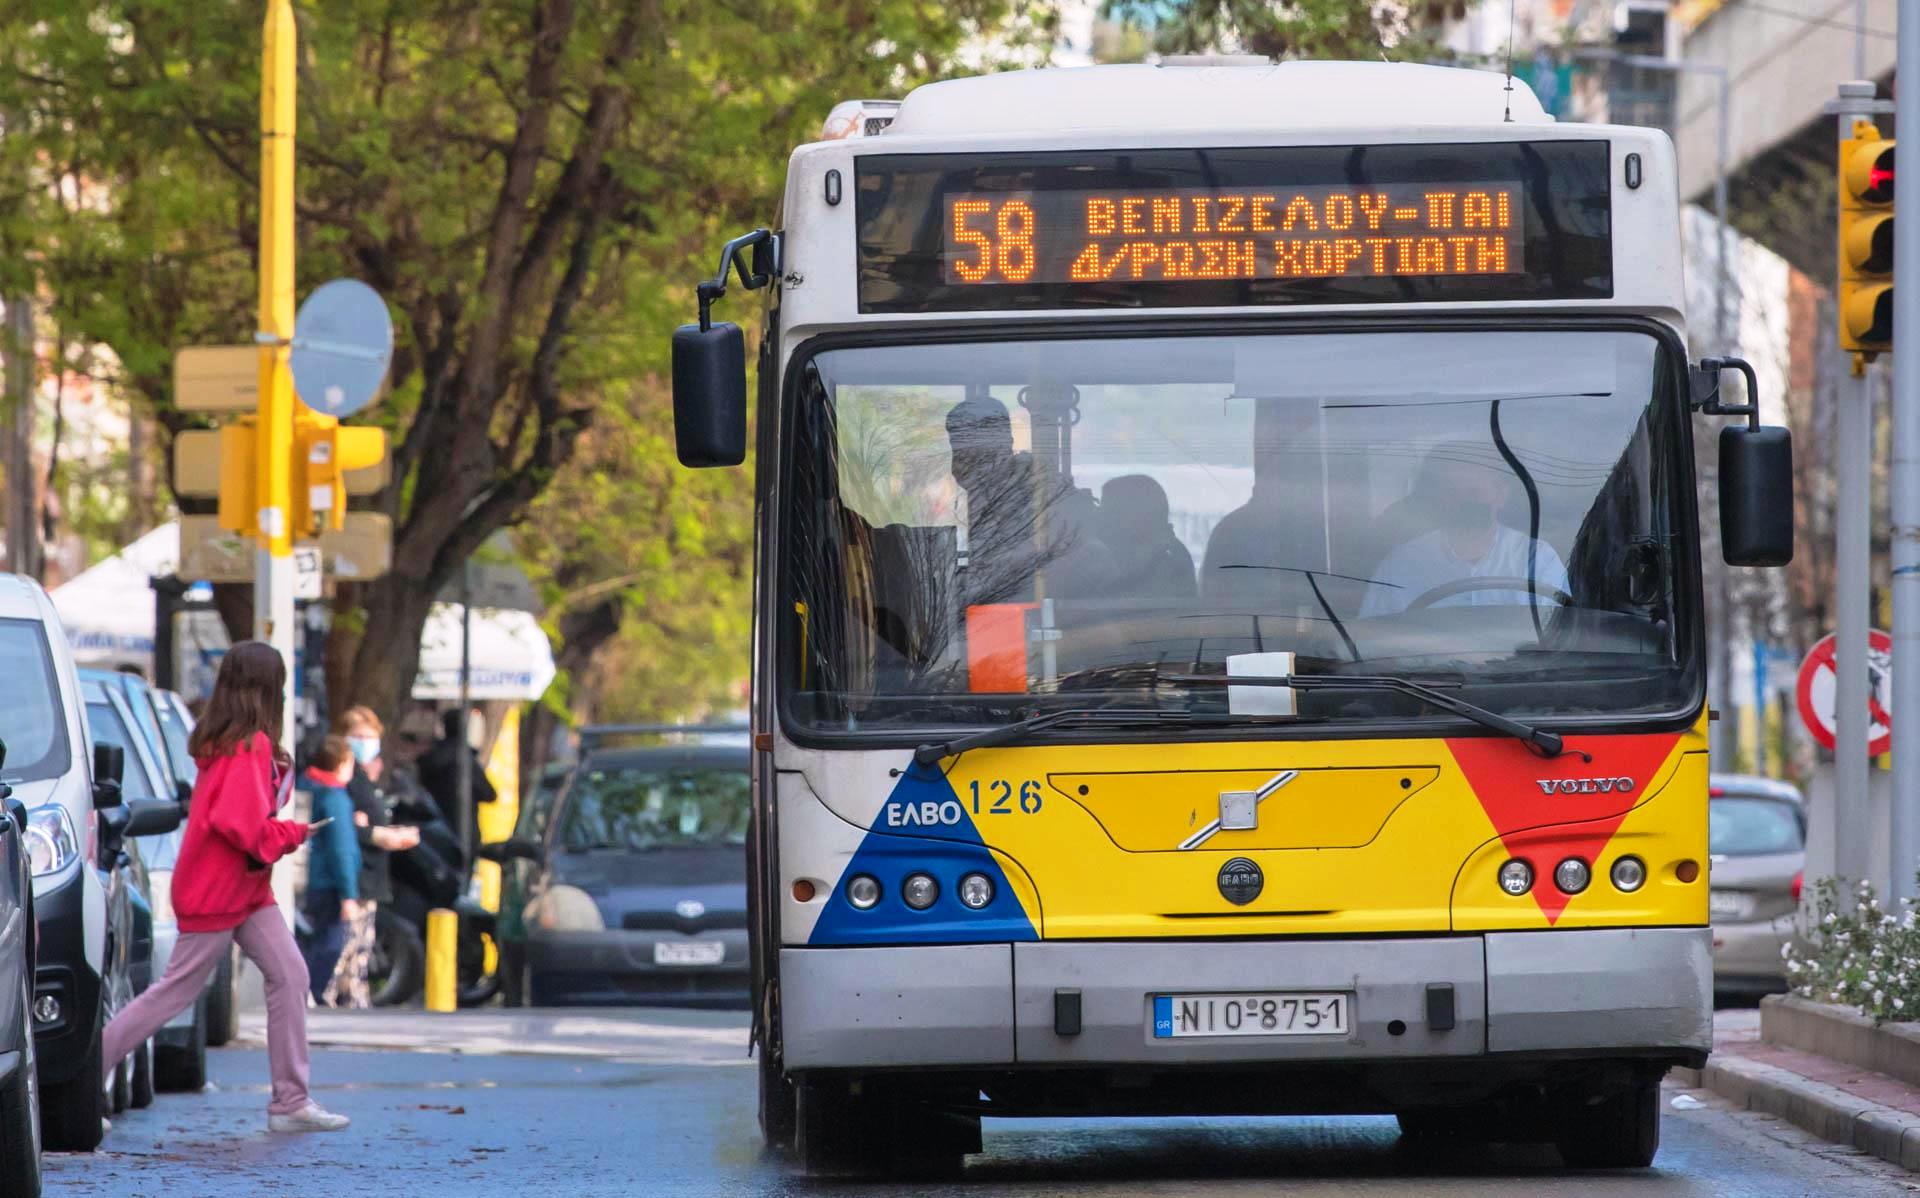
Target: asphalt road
[(662, 1104)]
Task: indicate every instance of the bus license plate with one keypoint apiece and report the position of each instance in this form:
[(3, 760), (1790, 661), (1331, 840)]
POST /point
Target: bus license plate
[(689, 952), (1286, 1013)]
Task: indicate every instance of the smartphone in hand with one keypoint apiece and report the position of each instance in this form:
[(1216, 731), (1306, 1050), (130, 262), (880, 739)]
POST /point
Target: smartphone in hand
[(318, 824)]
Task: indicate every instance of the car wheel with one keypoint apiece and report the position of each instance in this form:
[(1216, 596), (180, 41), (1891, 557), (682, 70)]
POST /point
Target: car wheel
[(223, 1012), (20, 1114), (1621, 1131), (140, 1095), (72, 1113), (178, 1070), (397, 966)]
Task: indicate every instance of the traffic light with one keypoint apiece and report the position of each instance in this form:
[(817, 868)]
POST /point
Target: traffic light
[(1865, 296), (324, 451)]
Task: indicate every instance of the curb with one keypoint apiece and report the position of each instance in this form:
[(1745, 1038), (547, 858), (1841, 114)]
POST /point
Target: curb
[(1827, 1112)]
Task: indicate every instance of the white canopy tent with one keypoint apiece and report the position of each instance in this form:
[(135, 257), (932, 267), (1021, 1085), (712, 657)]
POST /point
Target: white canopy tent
[(108, 612)]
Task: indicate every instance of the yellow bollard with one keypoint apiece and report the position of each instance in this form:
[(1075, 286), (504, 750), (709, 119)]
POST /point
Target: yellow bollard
[(443, 960)]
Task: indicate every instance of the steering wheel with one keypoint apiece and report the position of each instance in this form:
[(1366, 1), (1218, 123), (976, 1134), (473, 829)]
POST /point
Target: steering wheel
[(1462, 586)]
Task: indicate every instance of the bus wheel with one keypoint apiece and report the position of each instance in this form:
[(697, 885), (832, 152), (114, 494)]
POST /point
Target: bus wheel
[(1621, 1131), (777, 1103)]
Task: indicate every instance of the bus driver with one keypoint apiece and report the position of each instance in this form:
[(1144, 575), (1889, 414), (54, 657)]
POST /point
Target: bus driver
[(1469, 543)]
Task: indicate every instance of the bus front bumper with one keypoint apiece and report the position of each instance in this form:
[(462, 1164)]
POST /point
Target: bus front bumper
[(1595, 992)]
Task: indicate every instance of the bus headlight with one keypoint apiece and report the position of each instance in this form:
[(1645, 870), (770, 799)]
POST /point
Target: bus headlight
[(1516, 878), (919, 891), (569, 909), (976, 891), (1629, 874), (863, 892), (51, 843), (1572, 875)]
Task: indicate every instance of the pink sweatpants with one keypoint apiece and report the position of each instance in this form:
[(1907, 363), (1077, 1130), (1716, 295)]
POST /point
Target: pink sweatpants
[(267, 942)]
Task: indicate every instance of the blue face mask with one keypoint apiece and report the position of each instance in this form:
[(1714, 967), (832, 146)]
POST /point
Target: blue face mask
[(365, 748)]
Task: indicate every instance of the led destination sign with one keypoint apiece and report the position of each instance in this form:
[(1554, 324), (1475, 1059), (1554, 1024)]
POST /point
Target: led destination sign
[(1194, 234), (1153, 228)]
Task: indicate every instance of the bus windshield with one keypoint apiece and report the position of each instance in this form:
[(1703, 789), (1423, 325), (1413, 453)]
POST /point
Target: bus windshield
[(980, 531)]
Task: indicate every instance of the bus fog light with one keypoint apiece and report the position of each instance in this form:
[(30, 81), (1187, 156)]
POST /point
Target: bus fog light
[(46, 1009), (863, 892), (1516, 878), (1629, 874), (919, 891), (1572, 875), (976, 890)]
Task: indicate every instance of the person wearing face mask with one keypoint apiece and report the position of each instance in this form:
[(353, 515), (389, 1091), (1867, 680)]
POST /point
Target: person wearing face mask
[(377, 838), (1469, 484)]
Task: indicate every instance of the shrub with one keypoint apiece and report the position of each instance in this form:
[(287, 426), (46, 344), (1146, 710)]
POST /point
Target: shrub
[(1858, 954)]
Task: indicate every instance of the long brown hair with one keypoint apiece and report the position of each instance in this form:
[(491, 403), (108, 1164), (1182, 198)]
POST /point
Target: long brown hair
[(247, 698)]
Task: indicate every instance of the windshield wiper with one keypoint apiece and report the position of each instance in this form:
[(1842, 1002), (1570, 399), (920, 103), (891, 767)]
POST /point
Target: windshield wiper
[(933, 752), (1547, 744)]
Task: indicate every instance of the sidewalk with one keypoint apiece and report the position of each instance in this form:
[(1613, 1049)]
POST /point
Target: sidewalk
[(1834, 1100)]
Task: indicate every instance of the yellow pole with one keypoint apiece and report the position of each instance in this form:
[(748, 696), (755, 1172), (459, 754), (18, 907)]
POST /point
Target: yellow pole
[(443, 962), (273, 618)]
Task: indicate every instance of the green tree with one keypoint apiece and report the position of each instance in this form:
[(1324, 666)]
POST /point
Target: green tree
[(532, 185), (1357, 29)]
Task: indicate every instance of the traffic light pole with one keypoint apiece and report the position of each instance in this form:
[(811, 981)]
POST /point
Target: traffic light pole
[(273, 618), (1904, 483)]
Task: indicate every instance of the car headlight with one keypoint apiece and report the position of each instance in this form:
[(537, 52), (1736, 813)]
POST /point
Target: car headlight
[(51, 843), (160, 890), (569, 909)]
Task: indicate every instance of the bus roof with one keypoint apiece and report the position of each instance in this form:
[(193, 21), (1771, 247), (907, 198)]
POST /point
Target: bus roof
[(1147, 99)]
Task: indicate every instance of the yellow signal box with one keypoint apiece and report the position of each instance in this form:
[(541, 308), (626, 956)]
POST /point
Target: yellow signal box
[(1865, 293), (324, 452), (237, 472)]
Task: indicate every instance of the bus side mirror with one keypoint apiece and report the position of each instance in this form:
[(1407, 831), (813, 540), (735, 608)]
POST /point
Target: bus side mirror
[(1756, 495), (710, 394)]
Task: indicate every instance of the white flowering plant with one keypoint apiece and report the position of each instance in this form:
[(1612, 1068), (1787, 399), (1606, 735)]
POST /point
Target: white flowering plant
[(1858, 954)]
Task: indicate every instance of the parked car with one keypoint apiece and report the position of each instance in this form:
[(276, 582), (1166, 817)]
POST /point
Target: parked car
[(516, 880), (1757, 834), (639, 890), (122, 710), (84, 906), (19, 1071)]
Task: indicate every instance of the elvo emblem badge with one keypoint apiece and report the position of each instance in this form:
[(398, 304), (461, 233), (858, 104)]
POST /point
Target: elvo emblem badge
[(1241, 881)]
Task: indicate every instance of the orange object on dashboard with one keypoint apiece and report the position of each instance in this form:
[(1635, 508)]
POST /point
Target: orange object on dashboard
[(997, 648)]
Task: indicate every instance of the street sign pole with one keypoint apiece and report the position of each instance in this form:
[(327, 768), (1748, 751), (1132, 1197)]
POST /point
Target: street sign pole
[(1904, 813), (273, 619)]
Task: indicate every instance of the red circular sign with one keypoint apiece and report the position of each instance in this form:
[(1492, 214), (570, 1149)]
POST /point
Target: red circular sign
[(1815, 692)]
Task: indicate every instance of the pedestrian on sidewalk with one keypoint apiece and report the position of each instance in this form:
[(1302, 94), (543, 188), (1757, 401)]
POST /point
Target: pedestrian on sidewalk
[(377, 837), (222, 888), (333, 861)]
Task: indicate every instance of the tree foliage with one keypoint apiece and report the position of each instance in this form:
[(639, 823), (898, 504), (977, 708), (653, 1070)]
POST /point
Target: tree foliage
[(531, 184), (1356, 29)]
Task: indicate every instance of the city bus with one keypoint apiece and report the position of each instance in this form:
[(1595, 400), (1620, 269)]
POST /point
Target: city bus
[(1229, 633)]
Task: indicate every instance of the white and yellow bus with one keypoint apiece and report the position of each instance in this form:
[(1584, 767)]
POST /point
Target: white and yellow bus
[(1229, 634)]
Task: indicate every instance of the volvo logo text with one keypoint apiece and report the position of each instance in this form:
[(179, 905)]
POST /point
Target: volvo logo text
[(1241, 881), (1583, 786)]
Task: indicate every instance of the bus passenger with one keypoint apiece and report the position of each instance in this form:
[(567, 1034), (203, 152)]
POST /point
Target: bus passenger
[(1149, 562), (1470, 543)]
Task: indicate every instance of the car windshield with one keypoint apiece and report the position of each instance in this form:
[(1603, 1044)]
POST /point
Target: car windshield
[(1739, 826), (174, 731), (980, 531), (642, 809), (109, 729), (31, 723)]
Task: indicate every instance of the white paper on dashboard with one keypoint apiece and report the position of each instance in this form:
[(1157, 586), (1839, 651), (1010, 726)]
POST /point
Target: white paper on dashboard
[(1260, 700)]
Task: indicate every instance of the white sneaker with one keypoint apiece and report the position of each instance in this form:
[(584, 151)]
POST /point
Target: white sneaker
[(311, 1117)]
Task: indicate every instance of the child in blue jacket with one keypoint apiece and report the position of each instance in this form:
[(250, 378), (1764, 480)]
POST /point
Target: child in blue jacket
[(333, 860)]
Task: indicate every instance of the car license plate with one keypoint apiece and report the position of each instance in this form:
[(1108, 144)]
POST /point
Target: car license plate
[(1729, 904), (1283, 1013), (689, 952)]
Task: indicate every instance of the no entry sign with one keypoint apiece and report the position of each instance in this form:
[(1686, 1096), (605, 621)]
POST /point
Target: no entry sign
[(1816, 687)]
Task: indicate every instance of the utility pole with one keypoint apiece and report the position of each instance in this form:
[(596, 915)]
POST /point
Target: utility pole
[(273, 619), (1904, 813)]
